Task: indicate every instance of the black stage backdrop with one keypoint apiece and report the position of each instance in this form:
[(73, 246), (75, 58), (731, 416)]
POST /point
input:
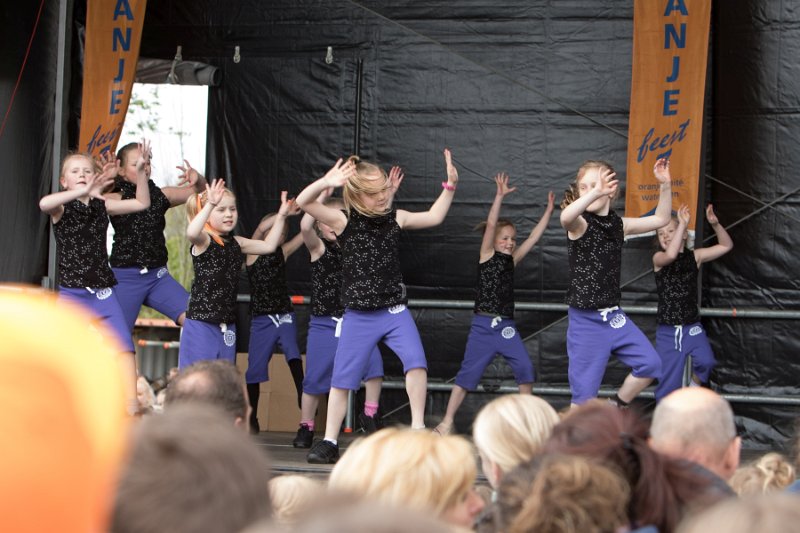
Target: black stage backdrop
[(531, 88)]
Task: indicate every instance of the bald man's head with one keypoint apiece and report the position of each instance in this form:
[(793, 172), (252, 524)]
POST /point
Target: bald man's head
[(697, 424)]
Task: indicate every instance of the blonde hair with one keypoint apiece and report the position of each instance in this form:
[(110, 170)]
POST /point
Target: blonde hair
[(195, 204), (292, 496), (573, 193), (511, 429), (499, 225), (771, 473), (368, 178), (416, 469), (773, 513)]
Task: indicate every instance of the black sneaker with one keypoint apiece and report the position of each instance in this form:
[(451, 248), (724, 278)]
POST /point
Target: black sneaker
[(304, 437), (323, 453), (370, 424)]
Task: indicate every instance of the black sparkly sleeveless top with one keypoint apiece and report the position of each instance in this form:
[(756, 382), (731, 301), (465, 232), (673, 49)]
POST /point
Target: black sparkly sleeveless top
[(216, 275), (268, 292), (81, 245), (594, 263), (326, 282), (371, 277), (677, 291), (496, 286), (139, 237)]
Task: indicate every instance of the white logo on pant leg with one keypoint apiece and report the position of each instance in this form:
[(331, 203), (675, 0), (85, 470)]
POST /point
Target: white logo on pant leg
[(508, 332), (285, 319), (104, 294), (162, 272), (697, 330), (618, 321), (495, 321), (229, 337), (395, 309)]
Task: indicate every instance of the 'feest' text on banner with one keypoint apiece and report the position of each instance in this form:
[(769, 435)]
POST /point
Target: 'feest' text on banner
[(113, 35), (670, 52)]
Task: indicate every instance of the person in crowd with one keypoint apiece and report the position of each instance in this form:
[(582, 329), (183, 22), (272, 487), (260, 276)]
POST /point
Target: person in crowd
[(696, 424), (191, 470), (65, 428), (771, 472), (215, 382), (415, 469)]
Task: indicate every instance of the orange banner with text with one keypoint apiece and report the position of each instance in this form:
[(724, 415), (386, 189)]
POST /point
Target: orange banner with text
[(113, 35), (670, 52)]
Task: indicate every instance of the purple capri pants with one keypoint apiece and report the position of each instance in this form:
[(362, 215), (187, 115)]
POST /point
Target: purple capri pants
[(362, 330), (592, 336), (203, 340), (103, 304), (488, 336), (321, 350), (674, 344), (154, 288), (267, 332)]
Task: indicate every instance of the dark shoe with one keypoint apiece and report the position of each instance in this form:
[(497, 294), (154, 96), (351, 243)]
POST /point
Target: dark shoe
[(323, 453), (304, 437), (370, 424)]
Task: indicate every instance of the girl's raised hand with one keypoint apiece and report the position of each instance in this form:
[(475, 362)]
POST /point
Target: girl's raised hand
[(684, 216), (452, 173), (395, 178), (606, 184), (188, 174), (501, 179), (661, 170), (108, 165), (288, 206), (145, 152), (215, 192), (551, 200), (339, 173), (323, 196), (96, 185), (711, 216)]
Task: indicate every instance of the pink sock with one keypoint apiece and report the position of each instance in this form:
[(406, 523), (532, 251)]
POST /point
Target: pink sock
[(370, 409), (309, 423)]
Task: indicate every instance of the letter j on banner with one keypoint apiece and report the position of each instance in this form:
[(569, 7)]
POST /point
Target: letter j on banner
[(113, 35), (670, 52)]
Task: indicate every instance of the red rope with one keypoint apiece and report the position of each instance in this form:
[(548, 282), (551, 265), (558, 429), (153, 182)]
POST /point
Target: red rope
[(22, 69)]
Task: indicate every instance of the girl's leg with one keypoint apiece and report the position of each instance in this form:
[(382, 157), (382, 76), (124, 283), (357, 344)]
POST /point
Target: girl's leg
[(417, 389), (633, 348), (631, 387), (309, 405), (526, 388), (668, 346), (457, 396), (337, 409), (372, 390)]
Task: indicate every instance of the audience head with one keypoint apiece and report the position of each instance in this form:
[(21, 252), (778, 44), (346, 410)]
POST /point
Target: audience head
[(416, 469), (293, 496), (216, 382), (145, 396), (772, 513), (562, 494), (663, 489), (191, 470), (771, 473), (64, 422), (510, 430), (696, 424)]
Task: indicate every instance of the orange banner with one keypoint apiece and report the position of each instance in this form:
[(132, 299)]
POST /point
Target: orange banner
[(113, 35), (670, 52)]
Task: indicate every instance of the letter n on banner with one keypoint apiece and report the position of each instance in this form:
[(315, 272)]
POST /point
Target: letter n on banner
[(670, 52), (113, 35)]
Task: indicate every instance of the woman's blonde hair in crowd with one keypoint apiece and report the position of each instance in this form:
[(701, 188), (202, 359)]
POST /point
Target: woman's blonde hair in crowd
[(417, 469), (511, 429), (292, 497), (367, 179), (195, 204), (573, 193)]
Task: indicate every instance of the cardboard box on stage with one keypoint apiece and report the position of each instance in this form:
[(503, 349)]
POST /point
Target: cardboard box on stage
[(277, 403)]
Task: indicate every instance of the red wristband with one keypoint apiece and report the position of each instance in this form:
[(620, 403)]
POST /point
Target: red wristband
[(447, 186)]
